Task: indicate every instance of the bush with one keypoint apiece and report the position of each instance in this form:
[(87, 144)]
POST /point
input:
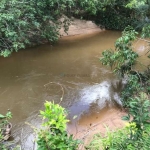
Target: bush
[(4, 129), (27, 23), (53, 135)]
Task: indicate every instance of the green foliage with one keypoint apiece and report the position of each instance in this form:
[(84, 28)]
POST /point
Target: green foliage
[(55, 115), (123, 58), (88, 6), (139, 110), (146, 31), (122, 139), (54, 136), (116, 14), (114, 17), (4, 119), (132, 88), (135, 3), (141, 11), (26, 23), (111, 14), (3, 123)]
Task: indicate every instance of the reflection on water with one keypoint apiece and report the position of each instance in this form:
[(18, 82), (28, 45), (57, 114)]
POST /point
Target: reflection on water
[(99, 94), (34, 75)]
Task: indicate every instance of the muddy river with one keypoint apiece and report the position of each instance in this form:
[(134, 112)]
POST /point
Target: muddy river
[(71, 68)]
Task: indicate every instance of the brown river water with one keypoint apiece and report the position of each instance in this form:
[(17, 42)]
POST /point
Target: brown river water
[(71, 68)]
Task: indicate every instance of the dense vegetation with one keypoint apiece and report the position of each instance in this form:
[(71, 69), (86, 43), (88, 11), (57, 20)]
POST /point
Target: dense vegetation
[(54, 135), (26, 23), (5, 129)]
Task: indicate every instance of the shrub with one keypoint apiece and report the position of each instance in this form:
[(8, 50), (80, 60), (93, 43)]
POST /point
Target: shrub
[(27, 23), (53, 135), (4, 125)]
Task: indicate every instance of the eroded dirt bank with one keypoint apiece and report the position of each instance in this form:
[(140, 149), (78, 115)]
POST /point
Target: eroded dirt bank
[(80, 27)]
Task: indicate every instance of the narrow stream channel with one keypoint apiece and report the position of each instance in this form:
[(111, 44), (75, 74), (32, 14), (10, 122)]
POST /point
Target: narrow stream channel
[(34, 75)]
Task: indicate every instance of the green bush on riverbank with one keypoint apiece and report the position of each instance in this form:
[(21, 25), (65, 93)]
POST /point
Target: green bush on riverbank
[(54, 135), (27, 23)]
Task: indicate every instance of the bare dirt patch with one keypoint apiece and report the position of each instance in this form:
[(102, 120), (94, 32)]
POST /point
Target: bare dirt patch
[(94, 123), (78, 27)]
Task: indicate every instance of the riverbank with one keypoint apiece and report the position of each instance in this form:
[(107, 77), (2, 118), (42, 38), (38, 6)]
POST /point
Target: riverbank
[(97, 123), (80, 27)]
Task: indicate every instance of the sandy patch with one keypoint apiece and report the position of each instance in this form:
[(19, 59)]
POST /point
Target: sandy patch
[(78, 27)]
